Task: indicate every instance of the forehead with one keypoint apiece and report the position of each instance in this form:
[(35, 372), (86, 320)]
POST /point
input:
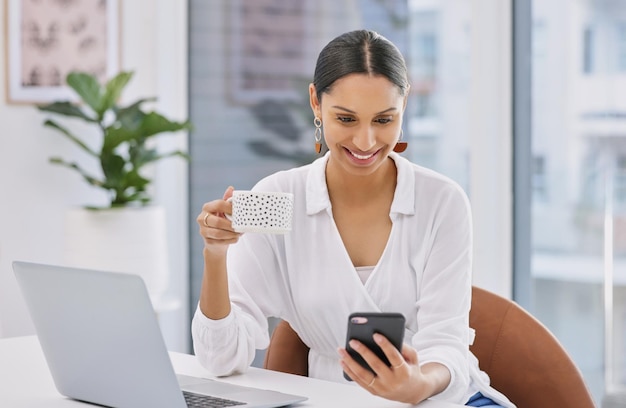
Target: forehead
[(363, 93)]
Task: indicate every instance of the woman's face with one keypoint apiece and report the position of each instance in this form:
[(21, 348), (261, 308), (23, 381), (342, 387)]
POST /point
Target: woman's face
[(362, 120)]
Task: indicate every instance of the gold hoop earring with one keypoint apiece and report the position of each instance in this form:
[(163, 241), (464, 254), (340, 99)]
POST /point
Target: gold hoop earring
[(318, 134), (400, 146)]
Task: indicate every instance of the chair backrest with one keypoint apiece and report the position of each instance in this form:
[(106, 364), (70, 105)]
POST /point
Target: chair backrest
[(522, 358), (287, 353)]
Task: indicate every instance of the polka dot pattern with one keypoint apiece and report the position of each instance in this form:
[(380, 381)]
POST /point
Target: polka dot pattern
[(262, 212)]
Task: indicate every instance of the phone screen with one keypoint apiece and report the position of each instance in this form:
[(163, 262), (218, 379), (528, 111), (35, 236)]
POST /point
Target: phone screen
[(362, 326)]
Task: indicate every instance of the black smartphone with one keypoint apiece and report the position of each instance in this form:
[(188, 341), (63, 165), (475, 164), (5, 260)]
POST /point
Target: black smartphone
[(362, 326)]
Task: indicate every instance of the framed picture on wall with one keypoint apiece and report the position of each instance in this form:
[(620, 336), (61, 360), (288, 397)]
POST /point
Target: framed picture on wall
[(269, 48), (47, 39)]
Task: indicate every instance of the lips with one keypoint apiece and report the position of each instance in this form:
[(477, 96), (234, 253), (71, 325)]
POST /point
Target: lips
[(362, 158)]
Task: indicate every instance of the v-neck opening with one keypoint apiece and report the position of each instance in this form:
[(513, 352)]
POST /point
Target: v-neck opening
[(348, 260)]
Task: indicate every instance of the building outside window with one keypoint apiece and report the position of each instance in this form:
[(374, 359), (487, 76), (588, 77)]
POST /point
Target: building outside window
[(588, 50), (538, 174), (579, 128)]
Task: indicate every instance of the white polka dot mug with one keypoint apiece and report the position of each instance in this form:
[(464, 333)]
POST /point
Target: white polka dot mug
[(259, 211)]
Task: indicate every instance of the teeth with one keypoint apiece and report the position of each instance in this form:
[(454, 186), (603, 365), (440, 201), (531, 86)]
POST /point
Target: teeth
[(358, 156)]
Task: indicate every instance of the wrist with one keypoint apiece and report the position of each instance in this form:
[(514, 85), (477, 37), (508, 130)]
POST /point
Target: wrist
[(214, 253), (436, 378)]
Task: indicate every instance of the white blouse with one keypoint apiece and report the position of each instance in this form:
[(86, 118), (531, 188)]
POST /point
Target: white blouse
[(307, 278)]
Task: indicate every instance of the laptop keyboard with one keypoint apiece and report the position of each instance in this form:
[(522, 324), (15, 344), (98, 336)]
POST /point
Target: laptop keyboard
[(207, 401)]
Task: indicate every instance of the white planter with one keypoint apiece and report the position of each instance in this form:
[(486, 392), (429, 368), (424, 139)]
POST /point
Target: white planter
[(131, 240)]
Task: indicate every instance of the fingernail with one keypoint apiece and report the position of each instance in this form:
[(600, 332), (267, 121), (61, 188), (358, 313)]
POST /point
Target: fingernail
[(355, 344), (378, 337)]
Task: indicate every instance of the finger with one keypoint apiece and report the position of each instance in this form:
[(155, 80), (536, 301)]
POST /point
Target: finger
[(409, 354), (215, 207), (354, 370), (368, 385), (218, 234), (228, 193), (214, 229), (391, 352), (214, 221), (218, 231), (375, 363)]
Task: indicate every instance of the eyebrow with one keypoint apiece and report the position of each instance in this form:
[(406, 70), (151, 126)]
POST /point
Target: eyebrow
[(353, 112)]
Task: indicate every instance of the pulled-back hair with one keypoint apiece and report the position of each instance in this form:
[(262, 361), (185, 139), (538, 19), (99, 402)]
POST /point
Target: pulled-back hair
[(360, 51)]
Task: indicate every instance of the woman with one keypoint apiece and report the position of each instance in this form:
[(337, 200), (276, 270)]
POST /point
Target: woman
[(372, 232)]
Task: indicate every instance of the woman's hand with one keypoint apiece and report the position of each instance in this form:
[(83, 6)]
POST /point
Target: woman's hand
[(217, 232), (404, 381), (215, 228)]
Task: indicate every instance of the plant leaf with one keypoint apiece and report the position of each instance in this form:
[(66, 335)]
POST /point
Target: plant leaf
[(135, 106), (88, 88), (54, 125), (150, 125), (131, 187), (114, 136), (113, 169), (166, 155), (66, 108), (72, 165), (136, 181), (132, 115), (139, 155), (154, 123), (113, 90)]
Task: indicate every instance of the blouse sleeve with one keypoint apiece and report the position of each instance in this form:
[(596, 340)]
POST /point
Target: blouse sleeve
[(445, 292)]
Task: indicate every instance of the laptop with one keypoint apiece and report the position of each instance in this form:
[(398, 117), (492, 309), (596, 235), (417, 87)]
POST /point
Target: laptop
[(102, 343)]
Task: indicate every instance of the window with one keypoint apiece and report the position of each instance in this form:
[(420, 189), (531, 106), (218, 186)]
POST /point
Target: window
[(621, 47), (250, 121), (620, 184), (588, 50), (539, 184), (578, 185), (423, 58)]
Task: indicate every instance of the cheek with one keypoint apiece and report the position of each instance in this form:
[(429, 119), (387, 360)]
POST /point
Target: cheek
[(333, 130)]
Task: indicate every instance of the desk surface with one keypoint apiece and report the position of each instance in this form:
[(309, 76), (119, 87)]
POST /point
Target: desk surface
[(25, 382)]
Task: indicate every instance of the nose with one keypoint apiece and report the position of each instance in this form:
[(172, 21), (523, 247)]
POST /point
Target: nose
[(365, 138)]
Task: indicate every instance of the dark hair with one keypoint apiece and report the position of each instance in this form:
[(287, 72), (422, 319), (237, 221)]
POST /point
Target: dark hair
[(360, 51)]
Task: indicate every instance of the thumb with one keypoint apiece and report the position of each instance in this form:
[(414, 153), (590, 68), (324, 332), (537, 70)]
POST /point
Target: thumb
[(228, 193)]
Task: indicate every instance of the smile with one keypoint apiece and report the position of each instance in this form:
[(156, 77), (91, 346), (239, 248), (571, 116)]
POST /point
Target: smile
[(361, 157)]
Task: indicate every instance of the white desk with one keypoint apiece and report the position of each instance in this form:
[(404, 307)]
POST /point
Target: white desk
[(25, 382)]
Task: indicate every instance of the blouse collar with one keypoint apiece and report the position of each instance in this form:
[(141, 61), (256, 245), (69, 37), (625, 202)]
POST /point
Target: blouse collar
[(317, 198)]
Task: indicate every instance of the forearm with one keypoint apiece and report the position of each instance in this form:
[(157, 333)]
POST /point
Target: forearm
[(214, 295)]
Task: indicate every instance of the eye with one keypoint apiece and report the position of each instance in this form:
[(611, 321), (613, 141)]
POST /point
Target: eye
[(383, 121), (345, 119)]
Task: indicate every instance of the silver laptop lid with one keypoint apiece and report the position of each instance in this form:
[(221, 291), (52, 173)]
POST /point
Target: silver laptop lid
[(100, 336)]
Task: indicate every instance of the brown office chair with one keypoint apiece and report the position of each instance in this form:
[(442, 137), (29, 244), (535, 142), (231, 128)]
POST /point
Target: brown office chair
[(523, 359)]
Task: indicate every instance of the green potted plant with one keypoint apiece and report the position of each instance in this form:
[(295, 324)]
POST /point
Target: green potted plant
[(127, 234), (126, 132)]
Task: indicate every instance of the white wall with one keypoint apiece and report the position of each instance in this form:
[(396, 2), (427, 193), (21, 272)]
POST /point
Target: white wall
[(35, 194)]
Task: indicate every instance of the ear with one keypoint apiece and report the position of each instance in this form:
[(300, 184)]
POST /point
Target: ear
[(315, 103)]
